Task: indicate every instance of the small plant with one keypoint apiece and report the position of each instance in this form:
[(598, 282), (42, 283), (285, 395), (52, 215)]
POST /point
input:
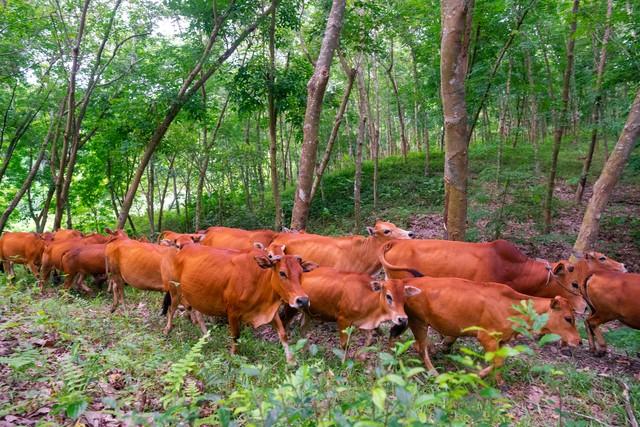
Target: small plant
[(72, 399)]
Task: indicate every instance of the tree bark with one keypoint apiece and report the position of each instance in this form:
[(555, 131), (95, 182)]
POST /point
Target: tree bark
[(362, 123), (452, 72), (608, 179), (394, 84), (273, 121), (561, 122), (315, 94), (334, 132), (533, 112), (188, 88), (163, 194), (596, 112)]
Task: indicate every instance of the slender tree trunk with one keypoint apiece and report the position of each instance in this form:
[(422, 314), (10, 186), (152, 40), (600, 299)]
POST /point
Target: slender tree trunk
[(334, 132), (163, 194), (357, 183), (596, 112), (533, 112), (452, 78), (416, 91), (187, 90), (150, 190), (271, 107), (427, 151), (376, 141), (608, 179), (394, 85), (315, 94), (562, 120)]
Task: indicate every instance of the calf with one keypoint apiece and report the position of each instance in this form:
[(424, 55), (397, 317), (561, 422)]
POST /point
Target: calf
[(81, 261), (236, 238), (22, 248), (348, 253), (244, 286), (451, 306), (610, 296), (354, 299)]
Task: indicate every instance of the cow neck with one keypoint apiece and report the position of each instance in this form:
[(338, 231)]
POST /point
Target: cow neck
[(367, 254), (378, 315), (534, 274), (266, 299)]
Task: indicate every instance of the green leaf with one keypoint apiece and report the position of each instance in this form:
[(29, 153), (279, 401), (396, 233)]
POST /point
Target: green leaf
[(378, 396), (548, 338)]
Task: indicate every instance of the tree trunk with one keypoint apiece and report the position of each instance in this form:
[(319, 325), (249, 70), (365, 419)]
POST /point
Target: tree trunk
[(315, 94), (561, 122), (334, 132), (187, 90), (533, 112), (273, 121), (596, 112), (163, 194), (357, 182), (394, 84), (427, 151), (608, 179), (376, 140), (452, 77), (150, 190)]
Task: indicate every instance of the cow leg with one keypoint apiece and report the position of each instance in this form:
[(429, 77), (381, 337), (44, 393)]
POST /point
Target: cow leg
[(34, 269), (8, 268), (282, 334), (421, 333), (590, 335), (490, 344), (45, 273), (69, 280), (234, 331), (593, 324), (175, 300), (82, 284), (117, 284), (199, 318)]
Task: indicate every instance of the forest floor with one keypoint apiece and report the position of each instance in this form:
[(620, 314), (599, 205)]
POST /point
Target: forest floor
[(64, 357)]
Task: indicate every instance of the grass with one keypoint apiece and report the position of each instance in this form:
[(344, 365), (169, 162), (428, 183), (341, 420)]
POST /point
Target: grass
[(122, 361)]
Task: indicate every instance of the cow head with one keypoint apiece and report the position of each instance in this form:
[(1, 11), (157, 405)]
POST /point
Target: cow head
[(285, 276), (388, 230), (566, 278), (562, 321), (597, 261), (393, 293), (274, 251)]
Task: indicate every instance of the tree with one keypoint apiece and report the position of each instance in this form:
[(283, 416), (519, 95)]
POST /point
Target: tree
[(608, 179), (561, 121), (273, 118), (315, 94), (454, 17)]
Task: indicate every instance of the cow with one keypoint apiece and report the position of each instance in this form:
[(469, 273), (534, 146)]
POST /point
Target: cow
[(236, 238), (55, 250), (349, 253), (459, 307), (610, 296), (61, 234), (353, 299), (179, 239), (22, 248), (498, 261), (87, 259), (598, 261), (135, 263), (245, 286)]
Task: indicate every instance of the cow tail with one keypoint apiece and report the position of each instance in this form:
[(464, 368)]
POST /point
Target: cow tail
[(397, 330), (166, 303), (388, 266)]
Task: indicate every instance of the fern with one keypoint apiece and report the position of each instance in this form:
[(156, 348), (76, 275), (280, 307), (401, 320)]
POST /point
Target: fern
[(72, 399), (175, 378)]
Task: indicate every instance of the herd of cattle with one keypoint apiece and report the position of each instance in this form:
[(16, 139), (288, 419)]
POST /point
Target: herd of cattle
[(246, 276)]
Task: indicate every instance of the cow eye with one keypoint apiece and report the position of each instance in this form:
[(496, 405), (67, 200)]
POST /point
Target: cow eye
[(387, 231), (283, 274), (569, 319), (575, 285), (603, 258), (389, 299)]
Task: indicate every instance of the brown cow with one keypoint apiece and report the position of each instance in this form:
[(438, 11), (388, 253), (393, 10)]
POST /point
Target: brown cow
[(610, 296), (55, 250), (236, 238), (349, 253), (599, 262), (62, 234), (179, 239), (498, 261), (135, 263), (244, 286), (87, 259), (354, 299), (22, 248), (451, 306)]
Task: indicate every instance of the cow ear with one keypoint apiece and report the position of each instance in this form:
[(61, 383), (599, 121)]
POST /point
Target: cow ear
[(371, 231), (376, 286), (165, 242), (108, 230), (588, 255), (555, 303), (559, 268), (258, 245), (410, 291), (308, 266), (263, 261), (198, 238)]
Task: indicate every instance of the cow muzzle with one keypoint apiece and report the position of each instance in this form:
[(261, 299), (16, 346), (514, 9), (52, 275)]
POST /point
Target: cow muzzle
[(302, 302), (401, 320)]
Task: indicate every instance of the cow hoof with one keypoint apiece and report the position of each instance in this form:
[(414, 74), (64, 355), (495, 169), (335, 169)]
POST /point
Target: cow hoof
[(566, 352), (166, 331), (600, 353)]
